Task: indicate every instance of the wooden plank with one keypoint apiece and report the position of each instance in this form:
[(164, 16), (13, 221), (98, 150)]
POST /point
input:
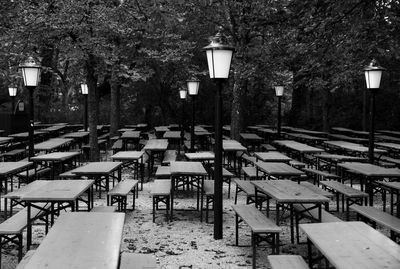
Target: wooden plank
[(13, 167), (127, 155), (137, 261), (123, 187), (97, 168), (257, 221), (344, 189), (380, 217), (287, 261), (188, 168)]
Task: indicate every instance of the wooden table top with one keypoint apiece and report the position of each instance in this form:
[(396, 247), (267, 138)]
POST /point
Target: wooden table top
[(161, 128), (5, 139), (52, 143), (56, 156), (306, 137), (77, 134), (58, 190), (207, 155), (340, 158), (272, 156), (353, 244), (97, 168), (287, 191), (172, 135), (391, 184), (267, 131), (188, 168), (232, 145), (278, 169), (26, 134), (156, 144), (127, 155), (348, 138), (392, 146), (34, 185), (250, 137), (81, 240), (389, 132), (11, 167), (387, 138), (308, 132), (352, 146), (300, 147), (370, 170), (131, 135)]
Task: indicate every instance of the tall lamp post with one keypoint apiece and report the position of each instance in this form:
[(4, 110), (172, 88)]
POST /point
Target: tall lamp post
[(182, 96), (373, 73), (12, 91), (193, 90), (85, 91), (31, 70), (279, 94), (219, 57)]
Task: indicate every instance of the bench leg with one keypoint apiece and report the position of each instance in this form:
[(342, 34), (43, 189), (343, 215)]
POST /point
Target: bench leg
[(236, 229), (154, 208), (20, 242), (254, 246)]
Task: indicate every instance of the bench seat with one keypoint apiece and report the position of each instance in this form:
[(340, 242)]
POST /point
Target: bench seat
[(169, 156), (318, 175), (376, 216), (249, 172), (317, 189), (248, 188), (25, 259), (287, 261), (106, 209), (268, 147), (261, 227), (120, 192), (138, 261), (297, 164), (32, 173), (117, 146), (161, 193)]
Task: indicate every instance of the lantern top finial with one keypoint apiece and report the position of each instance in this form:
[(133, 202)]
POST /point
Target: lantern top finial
[(374, 66), (219, 42), (30, 62)]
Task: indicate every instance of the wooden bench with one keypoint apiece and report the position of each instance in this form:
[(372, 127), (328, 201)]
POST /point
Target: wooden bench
[(249, 172), (25, 259), (13, 155), (349, 195), (317, 189), (306, 211), (161, 193), (11, 230), (297, 164), (104, 209), (226, 178), (137, 261), (68, 175), (318, 175), (163, 172), (287, 262), (169, 156), (375, 216), (119, 193), (268, 147), (117, 146), (208, 189), (33, 174), (245, 159), (248, 188), (262, 228)]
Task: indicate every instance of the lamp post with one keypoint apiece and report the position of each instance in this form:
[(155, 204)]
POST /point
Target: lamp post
[(12, 91), (279, 94), (30, 70), (219, 57), (193, 90), (373, 73), (182, 96), (85, 91)]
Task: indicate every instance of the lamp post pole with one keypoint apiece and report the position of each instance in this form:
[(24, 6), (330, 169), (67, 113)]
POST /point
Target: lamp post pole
[(12, 104), (279, 115), (193, 90), (219, 57), (182, 95), (371, 126), (85, 92), (12, 91), (31, 121)]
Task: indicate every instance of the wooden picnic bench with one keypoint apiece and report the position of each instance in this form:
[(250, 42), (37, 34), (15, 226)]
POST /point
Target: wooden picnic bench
[(117, 146), (248, 188), (262, 228), (120, 192), (161, 193), (249, 172), (349, 195), (25, 259), (375, 216), (318, 175), (138, 261), (163, 172), (33, 174), (169, 156), (108, 209), (287, 262)]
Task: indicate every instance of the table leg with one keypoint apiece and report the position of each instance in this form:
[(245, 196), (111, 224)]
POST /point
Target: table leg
[(291, 223), (28, 227), (309, 251), (172, 197)]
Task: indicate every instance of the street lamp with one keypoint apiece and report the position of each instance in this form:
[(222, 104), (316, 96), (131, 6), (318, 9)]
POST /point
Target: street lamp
[(219, 57), (373, 73), (85, 91), (31, 70), (12, 91), (193, 90), (182, 96), (279, 94)]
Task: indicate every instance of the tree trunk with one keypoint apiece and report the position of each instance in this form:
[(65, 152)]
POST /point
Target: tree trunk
[(93, 103), (325, 110), (237, 117), (298, 100), (115, 110)]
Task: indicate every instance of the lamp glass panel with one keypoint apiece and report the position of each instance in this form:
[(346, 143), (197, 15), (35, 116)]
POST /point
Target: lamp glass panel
[(193, 87), (219, 62), (31, 75), (84, 89), (182, 94), (373, 78), (12, 91), (279, 90)]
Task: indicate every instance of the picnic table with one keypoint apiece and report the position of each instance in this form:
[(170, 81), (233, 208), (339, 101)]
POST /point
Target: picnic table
[(369, 173), (54, 129), (349, 147), (129, 158), (286, 193), (393, 187), (230, 149), (278, 169), (348, 138), (81, 240), (251, 139), (386, 138), (130, 137), (155, 146), (9, 169), (189, 174), (272, 156), (5, 140), (78, 137), (56, 158), (267, 133), (391, 147), (389, 133), (308, 132), (351, 244), (53, 144), (65, 193), (25, 135), (100, 171), (297, 148), (172, 136), (305, 138), (350, 131), (334, 159), (160, 130)]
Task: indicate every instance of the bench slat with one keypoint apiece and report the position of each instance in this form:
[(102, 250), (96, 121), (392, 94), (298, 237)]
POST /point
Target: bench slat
[(317, 189), (138, 261), (378, 216), (161, 187), (325, 216), (257, 221), (287, 261), (124, 187), (344, 189)]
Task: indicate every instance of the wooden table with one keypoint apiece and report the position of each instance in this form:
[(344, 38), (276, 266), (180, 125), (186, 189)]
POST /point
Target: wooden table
[(389, 132), (230, 149), (272, 156), (348, 138), (334, 159), (394, 190), (347, 147), (5, 140), (278, 170), (298, 148), (391, 147), (308, 132), (190, 174), (79, 137), (9, 169), (81, 240), (131, 136), (100, 171), (286, 193), (250, 139), (160, 130), (56, 158), (349, 245), (387, 138), (59, 192), (53, 144), (305, 138), (369, 173), (134, 158), (155, 146)]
